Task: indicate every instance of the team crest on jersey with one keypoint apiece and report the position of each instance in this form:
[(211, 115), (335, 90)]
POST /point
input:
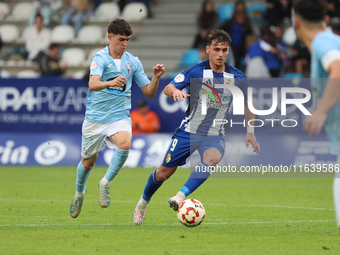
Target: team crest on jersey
[(93, 65), (179, 78), (168, 158), (128, 66)]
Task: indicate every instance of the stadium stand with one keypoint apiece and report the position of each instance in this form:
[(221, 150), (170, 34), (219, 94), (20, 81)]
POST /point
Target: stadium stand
[(162, 39)]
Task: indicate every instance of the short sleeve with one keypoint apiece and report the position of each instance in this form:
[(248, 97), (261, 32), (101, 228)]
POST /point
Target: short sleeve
[(139, 76), (97, 66), (181, 80), (325, 50)]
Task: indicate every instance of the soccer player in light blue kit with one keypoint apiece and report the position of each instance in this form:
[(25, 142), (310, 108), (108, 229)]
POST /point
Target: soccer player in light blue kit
[(198, 132), (310, 24), (107, 117)]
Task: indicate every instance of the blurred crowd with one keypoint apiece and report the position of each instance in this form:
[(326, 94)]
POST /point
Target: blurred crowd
[(258, 47), (39, 49)]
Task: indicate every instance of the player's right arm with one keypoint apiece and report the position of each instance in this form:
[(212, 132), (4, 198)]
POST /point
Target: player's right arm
[(96, 84), (171, 91)]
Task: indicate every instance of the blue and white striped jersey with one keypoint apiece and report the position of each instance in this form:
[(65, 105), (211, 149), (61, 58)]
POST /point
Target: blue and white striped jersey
[(111, 105), (201, 78)]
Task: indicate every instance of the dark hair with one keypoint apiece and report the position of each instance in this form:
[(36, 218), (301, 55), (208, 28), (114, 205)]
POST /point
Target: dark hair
[(38, 15), (119, 26), (311, 10), (220, 36), (53, 46)]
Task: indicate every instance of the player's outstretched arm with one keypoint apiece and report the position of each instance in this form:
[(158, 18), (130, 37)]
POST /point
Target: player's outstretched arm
[(250, 136), (331, 96), (171, 91), (150, 90), (96, 84)]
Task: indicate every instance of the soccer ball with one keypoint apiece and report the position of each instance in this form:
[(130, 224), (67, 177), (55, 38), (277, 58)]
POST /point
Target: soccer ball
[(191, 213)]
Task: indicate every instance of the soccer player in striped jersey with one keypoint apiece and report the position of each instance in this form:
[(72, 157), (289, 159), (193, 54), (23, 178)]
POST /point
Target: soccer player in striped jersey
[(198, 131), (310, 24), (107, 118)]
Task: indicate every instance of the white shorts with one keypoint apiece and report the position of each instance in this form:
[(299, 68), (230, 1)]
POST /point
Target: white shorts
[(95, 134)]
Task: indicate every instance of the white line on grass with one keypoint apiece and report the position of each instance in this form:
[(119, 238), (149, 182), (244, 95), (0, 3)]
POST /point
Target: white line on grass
[(166, 224), (130, 201)]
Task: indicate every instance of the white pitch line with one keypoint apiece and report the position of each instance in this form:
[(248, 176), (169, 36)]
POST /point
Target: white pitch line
[(166, 224), (278, 206), (130, 201)]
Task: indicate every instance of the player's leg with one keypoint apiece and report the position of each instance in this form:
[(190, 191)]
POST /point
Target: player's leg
[(176, 155), (122, 140), (211, 150), (336, 194), (83, 171), (155, 180), (92, 144)]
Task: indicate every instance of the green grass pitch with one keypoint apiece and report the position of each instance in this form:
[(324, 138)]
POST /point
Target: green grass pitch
[(243, 216)]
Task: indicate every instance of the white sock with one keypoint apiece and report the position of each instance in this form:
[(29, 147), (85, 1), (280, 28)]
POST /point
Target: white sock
[(181, 195), (336, 197), (142, 203), (105, 181), (80, 193)]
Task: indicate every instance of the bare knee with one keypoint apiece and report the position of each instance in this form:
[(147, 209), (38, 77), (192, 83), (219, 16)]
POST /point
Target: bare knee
[(88, 163), (124, 145), (212, 160), (163, 174)]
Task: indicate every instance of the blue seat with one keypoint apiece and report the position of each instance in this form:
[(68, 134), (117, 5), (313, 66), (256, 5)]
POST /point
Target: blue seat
[(253, 9), (189, 58), (292, 75), (225, 11)]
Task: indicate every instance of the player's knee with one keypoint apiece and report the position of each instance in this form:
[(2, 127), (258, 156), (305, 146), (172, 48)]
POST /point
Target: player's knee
[(88, 164), (212, 160), (162, 176), (125, 145)]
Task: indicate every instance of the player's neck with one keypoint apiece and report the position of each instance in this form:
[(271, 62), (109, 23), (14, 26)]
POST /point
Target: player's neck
[(114, 54), (217, 69), (309, 36)]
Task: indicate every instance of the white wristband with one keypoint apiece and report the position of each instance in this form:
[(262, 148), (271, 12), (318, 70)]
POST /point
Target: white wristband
[(250, 129)]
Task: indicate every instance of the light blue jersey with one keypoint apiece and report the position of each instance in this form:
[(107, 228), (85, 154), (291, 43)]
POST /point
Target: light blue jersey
[(111, 105), (326, 49)]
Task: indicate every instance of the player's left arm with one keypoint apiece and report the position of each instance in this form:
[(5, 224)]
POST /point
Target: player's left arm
[(150, 90), (250, 136), (329, 98)]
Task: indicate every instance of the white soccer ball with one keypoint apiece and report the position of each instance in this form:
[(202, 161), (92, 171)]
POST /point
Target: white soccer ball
[(191, 212)]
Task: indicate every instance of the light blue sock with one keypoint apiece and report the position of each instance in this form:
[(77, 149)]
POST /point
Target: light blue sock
[(82, 175), (195, 180), (117, 161)]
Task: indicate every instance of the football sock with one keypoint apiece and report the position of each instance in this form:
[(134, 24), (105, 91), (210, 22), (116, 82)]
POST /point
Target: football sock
[(195, 180), (336, 197), (142, 203), (151, 186), (82, 175), (117, 161)]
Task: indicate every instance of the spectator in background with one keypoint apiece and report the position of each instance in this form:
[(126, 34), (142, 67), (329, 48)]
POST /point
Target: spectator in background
[(49, 64), (76, 11), (275, 12), (300, 58), (238, 27), (287, 6), (333, 7), (47, 8), (144, 120), (207, 20), (38, 38)]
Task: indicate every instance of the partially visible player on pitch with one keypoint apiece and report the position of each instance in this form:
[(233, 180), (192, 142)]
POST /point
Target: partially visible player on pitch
[(198, 132), (310, 24), (107, 117)]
